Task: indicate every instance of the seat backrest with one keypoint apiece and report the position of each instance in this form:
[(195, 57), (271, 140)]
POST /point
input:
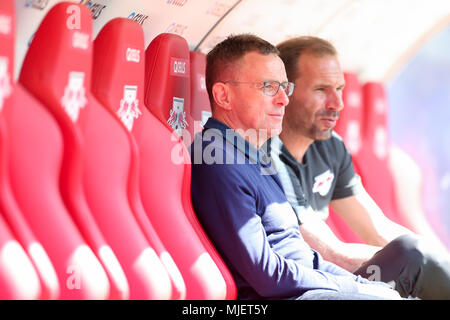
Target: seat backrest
[(375, 121), (7, 37), (36, 183), (167, 83), (374, 156), (351, 117), (349, 128), (104, 145), (18, 277), (200, 105), (118, 84), (166, 178), (9, 94)]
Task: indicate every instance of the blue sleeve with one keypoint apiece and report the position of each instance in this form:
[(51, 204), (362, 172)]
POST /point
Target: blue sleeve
[(226, 207)]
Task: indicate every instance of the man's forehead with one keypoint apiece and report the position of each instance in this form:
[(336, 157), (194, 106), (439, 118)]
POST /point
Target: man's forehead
[(268, 66), (320, 68)]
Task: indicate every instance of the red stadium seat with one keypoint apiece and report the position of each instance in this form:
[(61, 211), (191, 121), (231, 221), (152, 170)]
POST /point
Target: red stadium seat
[(36, 183), (9, 96), (168, 54), (200, 105), (118, 83), (18, 278), (349, 128), (35, 186), (374, 156), (166, 175), (97, 155), (351, 117)]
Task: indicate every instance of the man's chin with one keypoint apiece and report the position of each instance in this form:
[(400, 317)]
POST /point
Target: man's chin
[(322, 135), (274, 132)]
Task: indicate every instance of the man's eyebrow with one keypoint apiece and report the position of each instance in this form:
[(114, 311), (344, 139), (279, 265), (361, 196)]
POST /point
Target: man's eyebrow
[(327, 85), (273, 80), (322, 85)]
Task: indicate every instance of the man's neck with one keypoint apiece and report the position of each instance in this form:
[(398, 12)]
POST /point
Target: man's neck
[(296, 144), (255, 137)]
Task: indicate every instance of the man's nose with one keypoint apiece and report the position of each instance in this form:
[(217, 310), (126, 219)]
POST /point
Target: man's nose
[(281, 98), (334, 101)]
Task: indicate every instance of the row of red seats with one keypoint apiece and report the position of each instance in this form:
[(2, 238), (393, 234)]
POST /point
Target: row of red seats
[(93, 204)]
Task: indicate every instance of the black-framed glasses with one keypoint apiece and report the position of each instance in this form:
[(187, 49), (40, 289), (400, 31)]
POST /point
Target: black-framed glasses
[(270, 88)]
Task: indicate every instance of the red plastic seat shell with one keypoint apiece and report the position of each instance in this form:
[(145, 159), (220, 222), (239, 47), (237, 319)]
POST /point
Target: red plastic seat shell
[(200, 105), (95, 136), (173, 177)]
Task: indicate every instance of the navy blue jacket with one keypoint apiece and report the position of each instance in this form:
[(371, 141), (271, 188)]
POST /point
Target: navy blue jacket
[(241, 204)]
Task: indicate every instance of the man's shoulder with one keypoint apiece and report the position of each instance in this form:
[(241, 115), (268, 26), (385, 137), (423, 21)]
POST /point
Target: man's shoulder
[(274, 147), (213, 156), (334, 147)]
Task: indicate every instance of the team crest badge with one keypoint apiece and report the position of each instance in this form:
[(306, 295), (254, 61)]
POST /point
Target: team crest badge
[(322, 183), (5, 81), (177, 118), (129, 107), (74, 98)]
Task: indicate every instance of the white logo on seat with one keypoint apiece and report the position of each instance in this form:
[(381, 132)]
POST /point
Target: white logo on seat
[(133, 55), (80, 40), (129, 107), (179, 67), (5, 24), (5, 82), (322, 183), (202, 83), (74, 98), (380, 143), (177, 118)]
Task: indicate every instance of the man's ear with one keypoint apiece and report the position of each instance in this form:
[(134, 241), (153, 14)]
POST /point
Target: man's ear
[(221, 94)]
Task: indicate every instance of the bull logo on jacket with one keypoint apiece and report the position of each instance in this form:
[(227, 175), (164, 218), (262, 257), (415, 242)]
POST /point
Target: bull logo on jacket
[(74, 98), (129, 107), (177, 118), (5, 81)]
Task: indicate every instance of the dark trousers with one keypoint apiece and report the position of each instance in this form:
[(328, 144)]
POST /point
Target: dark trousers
[(416, 270)]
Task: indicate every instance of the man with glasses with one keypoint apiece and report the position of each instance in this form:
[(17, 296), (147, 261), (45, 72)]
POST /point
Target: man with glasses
[(316, 170), (240, 201)]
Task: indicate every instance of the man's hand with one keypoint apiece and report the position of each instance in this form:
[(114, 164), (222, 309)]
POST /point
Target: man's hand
[(322, 239)]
